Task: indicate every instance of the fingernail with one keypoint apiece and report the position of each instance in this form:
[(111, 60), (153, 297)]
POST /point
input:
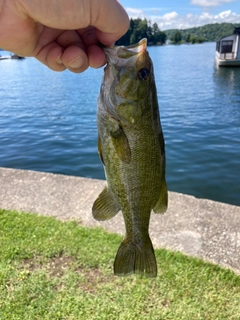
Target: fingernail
[(59, 60), (76, 63)]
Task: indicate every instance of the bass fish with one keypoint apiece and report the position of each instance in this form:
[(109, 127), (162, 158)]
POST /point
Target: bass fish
[(131, 148)]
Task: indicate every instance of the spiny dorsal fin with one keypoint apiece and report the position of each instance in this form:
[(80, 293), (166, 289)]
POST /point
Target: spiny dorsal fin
[(105, 207)]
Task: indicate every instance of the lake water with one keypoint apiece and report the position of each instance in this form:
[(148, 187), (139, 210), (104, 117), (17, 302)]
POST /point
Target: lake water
[(48, 120)]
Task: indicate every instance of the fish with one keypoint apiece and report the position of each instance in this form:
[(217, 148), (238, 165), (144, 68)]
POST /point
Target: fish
[(131, 148)]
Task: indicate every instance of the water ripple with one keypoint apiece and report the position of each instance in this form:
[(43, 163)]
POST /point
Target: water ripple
[(48, 120)]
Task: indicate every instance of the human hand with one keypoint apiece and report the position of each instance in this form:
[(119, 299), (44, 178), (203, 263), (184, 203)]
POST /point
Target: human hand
[(62, 34)]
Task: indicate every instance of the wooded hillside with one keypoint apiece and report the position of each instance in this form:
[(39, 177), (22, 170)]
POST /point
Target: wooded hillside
[(145, 29), (209, 32)]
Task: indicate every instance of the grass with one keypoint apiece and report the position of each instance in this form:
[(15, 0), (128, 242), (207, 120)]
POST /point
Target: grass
[(60, 270)]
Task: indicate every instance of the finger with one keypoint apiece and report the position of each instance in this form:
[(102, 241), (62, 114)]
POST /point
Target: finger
[(47, 50), (58, 59), (75, 59), (74, 55), (96, 56), (50, 55), (65, 50)]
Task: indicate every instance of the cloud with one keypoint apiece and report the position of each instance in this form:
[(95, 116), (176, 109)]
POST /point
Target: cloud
[(142, 13), (210, 3), (173, 20), (135, 13), (170, 16)]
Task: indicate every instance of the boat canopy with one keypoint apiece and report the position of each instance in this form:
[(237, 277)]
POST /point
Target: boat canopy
[(228, 47)]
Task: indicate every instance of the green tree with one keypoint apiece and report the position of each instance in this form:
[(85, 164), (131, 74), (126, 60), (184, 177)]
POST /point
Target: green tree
[(188, 39), (142, 29), (177, 38), (157, 35)]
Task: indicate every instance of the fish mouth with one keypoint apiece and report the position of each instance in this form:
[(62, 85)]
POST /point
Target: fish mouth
[(121, 58), (132, 50), (120, 53)]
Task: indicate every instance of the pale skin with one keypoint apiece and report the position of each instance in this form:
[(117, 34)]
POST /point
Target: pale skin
[(62, 34)]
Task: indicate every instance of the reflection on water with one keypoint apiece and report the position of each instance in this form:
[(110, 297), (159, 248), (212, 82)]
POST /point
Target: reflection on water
[(227, 81), (48, 120)]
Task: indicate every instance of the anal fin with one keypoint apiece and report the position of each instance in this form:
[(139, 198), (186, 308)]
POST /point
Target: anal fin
[(105, 207), (162, 203)]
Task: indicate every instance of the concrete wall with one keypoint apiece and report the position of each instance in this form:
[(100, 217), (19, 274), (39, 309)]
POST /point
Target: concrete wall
[(196, 227)]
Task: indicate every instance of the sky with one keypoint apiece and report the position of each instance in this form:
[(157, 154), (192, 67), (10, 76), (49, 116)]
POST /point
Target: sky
[(183, 14)]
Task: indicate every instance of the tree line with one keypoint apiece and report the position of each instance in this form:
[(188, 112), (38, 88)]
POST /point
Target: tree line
[(140, 29), (208, 32), (146, 29), (177, 38)]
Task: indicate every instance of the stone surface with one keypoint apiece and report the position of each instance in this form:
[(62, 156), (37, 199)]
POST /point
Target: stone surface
[(196, 227)]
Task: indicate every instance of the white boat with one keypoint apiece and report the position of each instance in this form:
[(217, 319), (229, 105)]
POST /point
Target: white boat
[(228, 50), (12, 56)]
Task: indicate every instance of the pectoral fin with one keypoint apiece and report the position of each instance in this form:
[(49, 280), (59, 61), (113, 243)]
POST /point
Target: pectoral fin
[(105, 207), (161, 205), (121, 144)]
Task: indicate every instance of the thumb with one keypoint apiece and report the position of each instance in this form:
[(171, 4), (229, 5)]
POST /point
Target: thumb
[(111, 21), (107, 16)]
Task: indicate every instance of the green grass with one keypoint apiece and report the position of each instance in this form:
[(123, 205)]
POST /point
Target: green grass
[(60, 270)]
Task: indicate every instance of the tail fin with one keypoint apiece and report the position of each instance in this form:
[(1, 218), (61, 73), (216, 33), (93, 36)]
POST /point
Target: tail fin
[(132, 258)]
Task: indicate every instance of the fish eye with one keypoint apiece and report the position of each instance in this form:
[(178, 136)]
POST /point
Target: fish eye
[(143, 74)]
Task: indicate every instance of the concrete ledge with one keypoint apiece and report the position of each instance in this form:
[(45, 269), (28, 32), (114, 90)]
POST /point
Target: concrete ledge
[(196, 227)]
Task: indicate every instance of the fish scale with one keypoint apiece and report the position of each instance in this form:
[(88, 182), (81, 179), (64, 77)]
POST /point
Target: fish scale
[(131, 147)]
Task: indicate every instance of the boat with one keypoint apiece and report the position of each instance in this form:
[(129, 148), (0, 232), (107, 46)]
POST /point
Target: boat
[(228, 50), (15, 56), (4, 57), (12, 56)]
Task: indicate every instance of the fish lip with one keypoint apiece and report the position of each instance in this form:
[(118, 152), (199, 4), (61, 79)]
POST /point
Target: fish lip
[(119, 58), (125, 52), (140, 45)]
